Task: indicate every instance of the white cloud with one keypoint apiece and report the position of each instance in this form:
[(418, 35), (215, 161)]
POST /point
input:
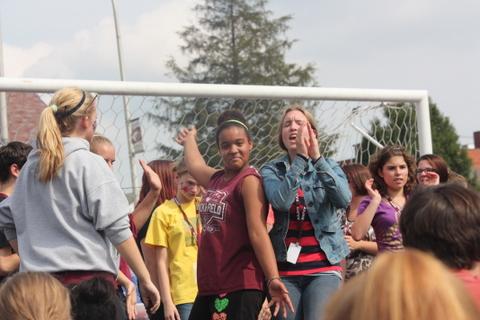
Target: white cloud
[(17, 60), (92, 54)]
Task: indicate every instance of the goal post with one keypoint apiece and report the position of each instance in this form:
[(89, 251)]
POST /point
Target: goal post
[(348, 118)]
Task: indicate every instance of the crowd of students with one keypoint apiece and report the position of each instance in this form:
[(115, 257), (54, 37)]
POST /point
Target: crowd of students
[(197, 240)]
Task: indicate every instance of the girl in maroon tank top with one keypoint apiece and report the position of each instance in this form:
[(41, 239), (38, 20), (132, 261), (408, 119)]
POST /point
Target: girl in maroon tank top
[(235, 251)]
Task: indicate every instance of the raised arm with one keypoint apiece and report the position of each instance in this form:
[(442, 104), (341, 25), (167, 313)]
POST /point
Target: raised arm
[(142, 212), (365, 217), (196, 165), (255, 209)]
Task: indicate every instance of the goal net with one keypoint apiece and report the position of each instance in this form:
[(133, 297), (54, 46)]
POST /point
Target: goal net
[(142, 119)]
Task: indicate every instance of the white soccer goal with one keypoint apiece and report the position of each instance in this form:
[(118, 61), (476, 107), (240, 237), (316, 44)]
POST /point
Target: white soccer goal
[(353, 122)]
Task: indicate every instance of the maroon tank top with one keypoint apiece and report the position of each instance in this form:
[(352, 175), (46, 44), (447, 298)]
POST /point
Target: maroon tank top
[(226, 260)]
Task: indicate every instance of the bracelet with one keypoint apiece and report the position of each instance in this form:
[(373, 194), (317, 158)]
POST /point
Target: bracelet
[(270, 281)]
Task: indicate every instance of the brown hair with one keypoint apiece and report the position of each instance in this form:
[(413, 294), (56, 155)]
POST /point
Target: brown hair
[(408, 284), (437, 163), (357, 175), (164, 169), (444, 220), (381, 157), (294, 107), (34, 295), (180, 167), (56, 121)]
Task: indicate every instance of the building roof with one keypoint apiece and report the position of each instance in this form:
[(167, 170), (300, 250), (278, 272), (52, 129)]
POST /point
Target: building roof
[(23, 112)]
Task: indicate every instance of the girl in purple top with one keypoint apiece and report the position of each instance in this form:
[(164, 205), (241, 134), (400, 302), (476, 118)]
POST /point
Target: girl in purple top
[(393, 172), (235, 252)]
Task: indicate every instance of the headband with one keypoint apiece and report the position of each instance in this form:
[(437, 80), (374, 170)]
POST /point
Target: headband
[(233, 121), (71, 111)]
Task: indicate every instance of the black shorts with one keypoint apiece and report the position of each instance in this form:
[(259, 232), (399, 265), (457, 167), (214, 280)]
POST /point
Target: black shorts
[(238, 305)]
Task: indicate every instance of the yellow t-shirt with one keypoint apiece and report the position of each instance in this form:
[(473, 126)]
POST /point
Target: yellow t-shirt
[(169, 229)]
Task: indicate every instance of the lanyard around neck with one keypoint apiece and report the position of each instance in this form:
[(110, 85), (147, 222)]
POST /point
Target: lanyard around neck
[(193, 231)]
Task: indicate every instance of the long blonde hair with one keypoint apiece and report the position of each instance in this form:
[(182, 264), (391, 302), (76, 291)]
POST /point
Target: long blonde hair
[(34, 296), (58, 120), (403, 285)]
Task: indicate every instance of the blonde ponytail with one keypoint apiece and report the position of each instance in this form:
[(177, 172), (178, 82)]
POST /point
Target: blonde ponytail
[(49, 142), (58, 120)]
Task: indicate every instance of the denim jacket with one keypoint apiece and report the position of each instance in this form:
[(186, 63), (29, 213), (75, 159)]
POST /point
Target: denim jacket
[(325, 189)]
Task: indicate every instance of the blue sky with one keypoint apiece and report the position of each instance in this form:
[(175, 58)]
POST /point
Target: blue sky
[(423, 44)]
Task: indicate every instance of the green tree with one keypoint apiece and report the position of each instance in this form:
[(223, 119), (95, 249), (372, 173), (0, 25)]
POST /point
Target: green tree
[(233, 42), (396, 128)]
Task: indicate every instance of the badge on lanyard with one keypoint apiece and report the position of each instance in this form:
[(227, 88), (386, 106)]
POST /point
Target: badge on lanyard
[(293, 252)]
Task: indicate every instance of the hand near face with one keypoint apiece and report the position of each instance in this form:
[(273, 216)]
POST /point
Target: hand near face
[(303, 140), (186, 133), (313, 149), (431, 178), (373, 193)]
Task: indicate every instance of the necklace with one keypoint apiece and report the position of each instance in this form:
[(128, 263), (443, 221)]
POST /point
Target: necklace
[(398, 208), (300, 215)]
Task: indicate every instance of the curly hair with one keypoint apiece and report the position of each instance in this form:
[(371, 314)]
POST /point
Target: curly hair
[(381, 157)]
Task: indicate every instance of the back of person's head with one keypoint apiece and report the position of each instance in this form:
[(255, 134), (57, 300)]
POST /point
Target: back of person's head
[(403, 285), (165, 171), (97, 141), (13, 153), (357, 175), (94, 299), (454, 177), (437, 163), (34, 296), (102, 146), (444, 220), (230, 118), (57, 120)]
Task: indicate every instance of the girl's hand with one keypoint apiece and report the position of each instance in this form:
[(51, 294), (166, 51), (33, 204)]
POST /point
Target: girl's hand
[(279, 297), (150, 296), (303, 140), (431, 178), (352, 243), (313, 149), (184, 134), (265, 313), (131, 300), (152, 177), (170, 312), (373, 193)]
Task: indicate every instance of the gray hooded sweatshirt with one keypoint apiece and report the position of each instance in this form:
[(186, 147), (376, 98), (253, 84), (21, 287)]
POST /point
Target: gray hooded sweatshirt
[(70, 222)]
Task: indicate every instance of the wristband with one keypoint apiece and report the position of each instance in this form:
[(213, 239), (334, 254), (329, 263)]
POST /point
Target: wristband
[(270, 281)]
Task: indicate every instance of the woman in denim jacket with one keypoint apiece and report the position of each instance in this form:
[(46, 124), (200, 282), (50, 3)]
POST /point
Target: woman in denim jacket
[(305, 189)]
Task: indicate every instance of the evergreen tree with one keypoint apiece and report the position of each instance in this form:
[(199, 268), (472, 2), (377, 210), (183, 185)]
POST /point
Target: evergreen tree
[(233, 42)]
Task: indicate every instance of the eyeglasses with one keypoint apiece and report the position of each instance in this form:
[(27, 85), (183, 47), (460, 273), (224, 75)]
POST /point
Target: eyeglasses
[(426, 170)]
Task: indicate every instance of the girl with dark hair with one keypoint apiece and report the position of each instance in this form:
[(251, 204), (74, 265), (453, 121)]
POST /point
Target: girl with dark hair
[(431, 170), (393, 172), (235, 252), (362, 252)]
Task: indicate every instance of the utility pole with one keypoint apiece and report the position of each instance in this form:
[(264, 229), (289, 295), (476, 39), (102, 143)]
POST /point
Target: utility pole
[(126, 113)]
